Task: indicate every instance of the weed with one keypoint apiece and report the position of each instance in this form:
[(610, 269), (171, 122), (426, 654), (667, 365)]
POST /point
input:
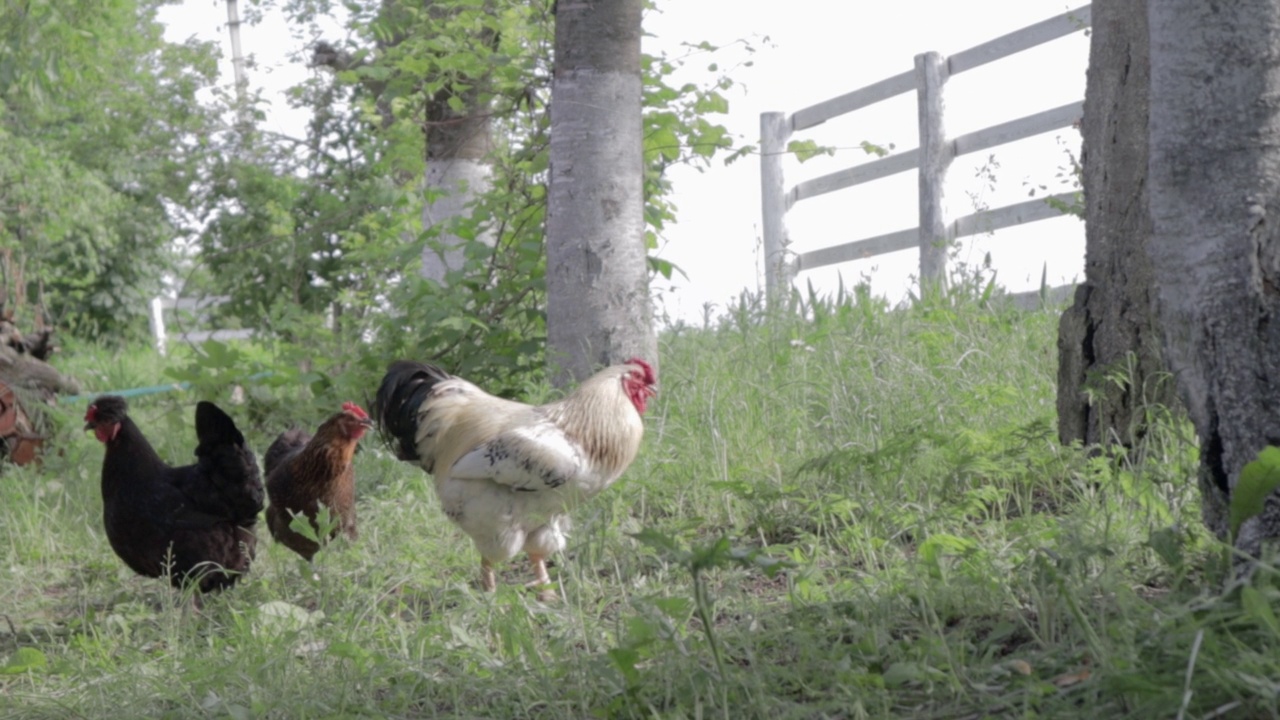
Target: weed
[(847, 512)]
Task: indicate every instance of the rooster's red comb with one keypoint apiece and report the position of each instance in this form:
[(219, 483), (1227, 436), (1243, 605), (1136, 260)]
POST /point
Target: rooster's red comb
[(355, 409), (650, 377)]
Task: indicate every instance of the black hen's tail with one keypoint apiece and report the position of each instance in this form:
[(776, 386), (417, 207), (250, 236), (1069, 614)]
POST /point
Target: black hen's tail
[(286, 445), (215, 427), (227, 464), (404, 389)]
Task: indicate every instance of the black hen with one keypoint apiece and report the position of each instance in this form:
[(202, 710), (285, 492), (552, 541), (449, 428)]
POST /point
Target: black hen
[(195, 522)]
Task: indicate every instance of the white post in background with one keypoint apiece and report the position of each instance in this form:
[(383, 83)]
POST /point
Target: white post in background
[(157, 324), (935, 158), (774, 132), (237, 61)]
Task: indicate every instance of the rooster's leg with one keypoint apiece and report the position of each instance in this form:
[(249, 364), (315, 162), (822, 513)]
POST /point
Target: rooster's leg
[(488, 578), (542, 580)]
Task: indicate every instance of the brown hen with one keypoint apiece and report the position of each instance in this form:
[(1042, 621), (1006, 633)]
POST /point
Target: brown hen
[(304, 471)]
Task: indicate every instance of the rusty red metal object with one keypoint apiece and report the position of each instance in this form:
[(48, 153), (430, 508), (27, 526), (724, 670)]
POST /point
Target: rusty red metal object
[(20, 442)]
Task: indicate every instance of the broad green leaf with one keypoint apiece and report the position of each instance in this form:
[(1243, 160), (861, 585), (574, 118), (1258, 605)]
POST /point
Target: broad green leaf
[(278, 616), (806, 150), (625, 660), (25, 659), (1257, 480), (901, 673), (664, 142), (712, 103), (1168, 544), (664, 544)]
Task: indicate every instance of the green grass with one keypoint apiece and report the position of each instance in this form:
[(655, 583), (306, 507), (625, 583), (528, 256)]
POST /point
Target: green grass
[(944, 558)]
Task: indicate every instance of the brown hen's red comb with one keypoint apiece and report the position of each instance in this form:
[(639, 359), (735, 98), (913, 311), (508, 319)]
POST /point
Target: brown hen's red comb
[(91, 414), (355, 409)]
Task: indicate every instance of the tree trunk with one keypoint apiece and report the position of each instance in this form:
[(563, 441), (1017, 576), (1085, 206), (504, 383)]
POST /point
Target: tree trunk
[(459, 167), (1215, 178), (1107, 340), (458, 171), (598, 305)]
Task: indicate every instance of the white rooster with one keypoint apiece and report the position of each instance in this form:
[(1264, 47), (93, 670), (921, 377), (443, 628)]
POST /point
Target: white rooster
[(508, 473)]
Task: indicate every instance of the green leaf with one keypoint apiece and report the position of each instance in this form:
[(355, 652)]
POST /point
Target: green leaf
[(740, 153), (278, 616), (664, 142), (625, 660), (24, 659), (677, 608), (1167, 543), (901, 673), (663, 267), (664, 544), (711, 103), (806, 150), (1257, 480), (1257, 607), (940, 544)]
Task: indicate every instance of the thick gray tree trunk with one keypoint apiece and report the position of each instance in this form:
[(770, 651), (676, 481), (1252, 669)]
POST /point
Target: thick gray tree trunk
[(598, 305), (459, 170), (459, 165), (1107, 340), (1215, 207)]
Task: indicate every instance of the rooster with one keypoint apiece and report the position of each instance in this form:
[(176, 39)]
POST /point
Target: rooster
[(304, 471), (195, 522), (508, 473)]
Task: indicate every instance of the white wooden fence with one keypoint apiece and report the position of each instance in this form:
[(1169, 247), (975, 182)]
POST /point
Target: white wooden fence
[(193, 307), (931, 160)]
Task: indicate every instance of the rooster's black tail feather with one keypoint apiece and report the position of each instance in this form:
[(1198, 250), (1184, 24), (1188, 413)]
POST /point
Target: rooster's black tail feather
[(395, 408)]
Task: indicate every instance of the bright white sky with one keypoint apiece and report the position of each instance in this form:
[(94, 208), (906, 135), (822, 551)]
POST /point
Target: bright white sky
[(815, 52)]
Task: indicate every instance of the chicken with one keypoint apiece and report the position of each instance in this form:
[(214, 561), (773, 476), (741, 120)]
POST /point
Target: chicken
[(304, 471), (508, 473), (195, 522)]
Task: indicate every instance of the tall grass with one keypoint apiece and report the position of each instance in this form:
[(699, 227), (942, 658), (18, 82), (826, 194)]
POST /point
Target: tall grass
[(856, 514)]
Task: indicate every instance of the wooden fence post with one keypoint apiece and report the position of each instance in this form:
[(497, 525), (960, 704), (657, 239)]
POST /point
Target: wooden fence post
[(774, 132), (935, 158), (157, 324)]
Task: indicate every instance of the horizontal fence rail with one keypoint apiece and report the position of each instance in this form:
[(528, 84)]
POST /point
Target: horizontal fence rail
[(196, 308), (975, 224), (931, 160)]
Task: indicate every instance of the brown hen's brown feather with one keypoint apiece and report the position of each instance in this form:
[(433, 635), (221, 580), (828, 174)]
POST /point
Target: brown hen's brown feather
[(304, 471)]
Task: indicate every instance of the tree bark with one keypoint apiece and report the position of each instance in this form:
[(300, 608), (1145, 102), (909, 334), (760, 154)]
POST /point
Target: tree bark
[(1108, 344), (459, 166), (1214, 179), (598, 306)]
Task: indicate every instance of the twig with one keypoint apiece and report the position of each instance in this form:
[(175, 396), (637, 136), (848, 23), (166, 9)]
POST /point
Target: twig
[(1191, 668)]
